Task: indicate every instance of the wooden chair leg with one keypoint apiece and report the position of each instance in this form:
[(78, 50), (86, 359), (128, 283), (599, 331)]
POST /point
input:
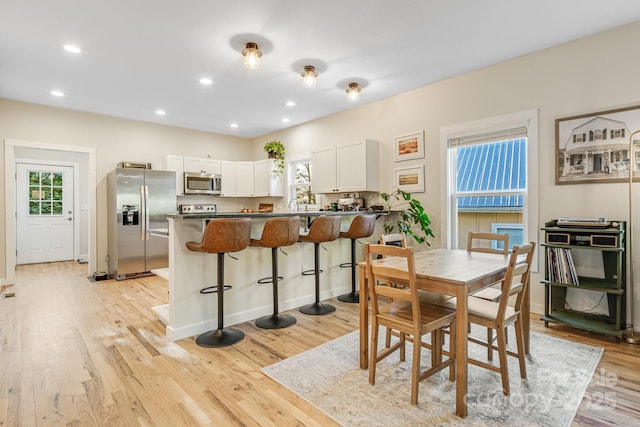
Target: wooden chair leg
[(373, 353), (490, 344), (504, 367), (415, 371), (387, 338), (403, 345), (520, 343)]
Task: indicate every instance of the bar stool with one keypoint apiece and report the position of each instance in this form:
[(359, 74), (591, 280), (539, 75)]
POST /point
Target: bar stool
[(362, 226), (277, 232), (323, 229), (221, 236)]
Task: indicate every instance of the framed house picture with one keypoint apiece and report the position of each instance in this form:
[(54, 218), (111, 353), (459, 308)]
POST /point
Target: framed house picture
[(596, 147), (410, 179), (410, 146)]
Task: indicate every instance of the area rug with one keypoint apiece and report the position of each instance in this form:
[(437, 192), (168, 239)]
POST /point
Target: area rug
[(328, 376)]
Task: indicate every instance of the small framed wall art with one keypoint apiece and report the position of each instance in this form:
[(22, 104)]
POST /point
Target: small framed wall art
[(410, 179), (409, 146)]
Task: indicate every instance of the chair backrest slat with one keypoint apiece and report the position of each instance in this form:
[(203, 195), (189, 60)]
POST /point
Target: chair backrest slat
[(478, 238)]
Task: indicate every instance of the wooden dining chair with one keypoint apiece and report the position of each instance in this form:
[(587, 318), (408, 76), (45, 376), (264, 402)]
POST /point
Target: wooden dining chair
[(488, 243), (499, 315), (394, 239), (401, 310)]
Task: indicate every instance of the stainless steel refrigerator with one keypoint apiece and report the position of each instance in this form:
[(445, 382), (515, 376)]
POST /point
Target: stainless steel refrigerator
[(139, 201)]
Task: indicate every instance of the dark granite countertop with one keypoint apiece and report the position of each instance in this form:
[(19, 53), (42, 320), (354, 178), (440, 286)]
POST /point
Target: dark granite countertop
[(268, 214)]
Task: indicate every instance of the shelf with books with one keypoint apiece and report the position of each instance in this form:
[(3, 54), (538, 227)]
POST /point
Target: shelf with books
[(563, 275)]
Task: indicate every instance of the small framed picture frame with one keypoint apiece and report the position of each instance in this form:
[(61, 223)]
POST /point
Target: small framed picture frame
[(410, 179), (409, 146)]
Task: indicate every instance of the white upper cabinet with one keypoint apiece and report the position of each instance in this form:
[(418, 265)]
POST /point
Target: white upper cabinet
[(244, 179), (239, 179), (346, 167), (228, 172), (265, 181), (324, 178), (199, 165), (174, 163)]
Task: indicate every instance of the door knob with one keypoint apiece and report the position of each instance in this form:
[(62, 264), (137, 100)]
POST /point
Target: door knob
[(69, 219)]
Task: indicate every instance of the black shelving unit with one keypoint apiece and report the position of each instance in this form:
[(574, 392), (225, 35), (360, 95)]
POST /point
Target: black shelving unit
[(607, 239)]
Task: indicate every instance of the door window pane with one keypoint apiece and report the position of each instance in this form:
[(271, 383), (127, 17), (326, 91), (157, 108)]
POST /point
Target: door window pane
[(45, 193)]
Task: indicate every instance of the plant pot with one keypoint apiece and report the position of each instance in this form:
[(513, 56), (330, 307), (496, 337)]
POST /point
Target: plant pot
[(271, 155)]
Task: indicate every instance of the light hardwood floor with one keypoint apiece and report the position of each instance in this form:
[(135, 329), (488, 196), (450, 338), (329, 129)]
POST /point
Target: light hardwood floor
[(79, 353)]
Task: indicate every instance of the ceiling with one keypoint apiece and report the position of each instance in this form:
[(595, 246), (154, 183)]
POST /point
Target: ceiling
[(139, 56)]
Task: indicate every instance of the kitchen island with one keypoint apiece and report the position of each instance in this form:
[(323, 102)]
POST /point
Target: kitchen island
[(190, 313)]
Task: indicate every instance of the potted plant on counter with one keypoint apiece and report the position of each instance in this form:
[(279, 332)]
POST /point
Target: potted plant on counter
[(405, 212), (275, 150)]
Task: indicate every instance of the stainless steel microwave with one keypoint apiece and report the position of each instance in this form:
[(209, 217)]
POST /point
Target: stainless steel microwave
[(202, 183)]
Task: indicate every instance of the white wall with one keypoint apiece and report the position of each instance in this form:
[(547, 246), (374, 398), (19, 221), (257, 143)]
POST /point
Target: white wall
[(588, 75), (114, 140)]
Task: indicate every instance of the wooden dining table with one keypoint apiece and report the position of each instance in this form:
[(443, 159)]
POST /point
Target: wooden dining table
[(455, 273)]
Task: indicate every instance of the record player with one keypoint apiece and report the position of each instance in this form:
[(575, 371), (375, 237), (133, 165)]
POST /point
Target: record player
[(582, 222)]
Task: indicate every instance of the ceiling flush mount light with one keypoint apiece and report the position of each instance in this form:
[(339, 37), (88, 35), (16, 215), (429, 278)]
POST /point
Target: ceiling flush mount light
[(290, 104), (353, 92), (286, 120), (309, 76), (252, 56), (206, 81), (72, 49), (161, 112), (233, 125), (57, 93)]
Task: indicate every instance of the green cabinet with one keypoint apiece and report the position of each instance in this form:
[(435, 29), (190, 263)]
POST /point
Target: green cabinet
[(563, 245)]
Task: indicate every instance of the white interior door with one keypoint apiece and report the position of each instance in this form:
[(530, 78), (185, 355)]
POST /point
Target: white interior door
[(44, 213)]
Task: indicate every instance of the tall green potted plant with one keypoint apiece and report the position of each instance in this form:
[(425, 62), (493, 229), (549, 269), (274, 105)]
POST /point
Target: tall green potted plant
[(275, 150), (406, 215)]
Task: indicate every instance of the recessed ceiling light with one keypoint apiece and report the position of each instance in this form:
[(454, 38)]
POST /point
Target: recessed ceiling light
[(206, 81), (58, 93), (71, 48), (234, 125), (161, 112), (290, 104), (285, 120)]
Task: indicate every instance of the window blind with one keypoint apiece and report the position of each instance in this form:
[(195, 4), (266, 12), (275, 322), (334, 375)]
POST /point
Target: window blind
[(487, 137)]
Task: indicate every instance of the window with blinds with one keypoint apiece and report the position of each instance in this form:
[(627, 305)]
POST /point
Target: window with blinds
[(488, 179)]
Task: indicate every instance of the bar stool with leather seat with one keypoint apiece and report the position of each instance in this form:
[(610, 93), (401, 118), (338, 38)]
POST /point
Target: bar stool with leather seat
[(323, 229), (277, 232), (222, 235), (362, 226)]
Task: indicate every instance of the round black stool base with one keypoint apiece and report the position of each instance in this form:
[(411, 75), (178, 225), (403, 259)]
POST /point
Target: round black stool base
[(351, 297), (275, 321), (317, 309), (220, 337)]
